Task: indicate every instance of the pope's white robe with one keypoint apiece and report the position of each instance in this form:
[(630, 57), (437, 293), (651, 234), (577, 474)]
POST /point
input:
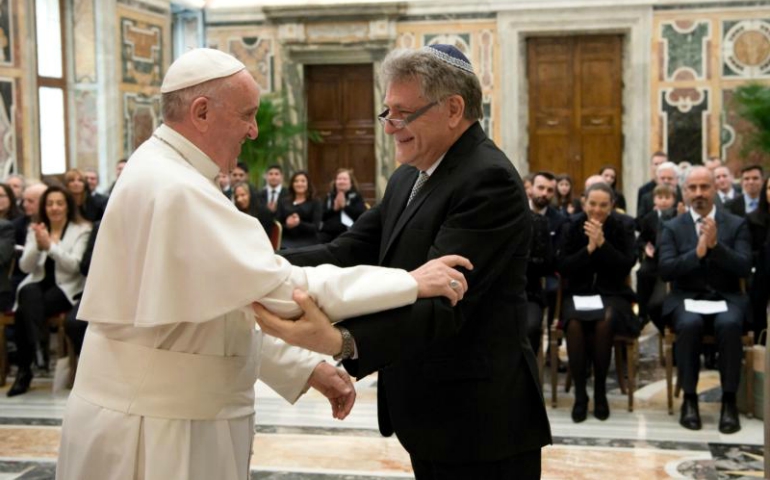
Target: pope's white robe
[(164, 387)]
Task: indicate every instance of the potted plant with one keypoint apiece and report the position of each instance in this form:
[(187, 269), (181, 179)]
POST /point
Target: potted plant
[(279, 137), (753, 105)]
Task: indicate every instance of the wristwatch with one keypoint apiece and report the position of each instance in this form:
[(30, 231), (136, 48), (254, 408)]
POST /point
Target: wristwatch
[(347, 345)]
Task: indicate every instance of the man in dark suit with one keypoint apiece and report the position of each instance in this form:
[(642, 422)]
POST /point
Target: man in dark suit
[(458, 385), (726, 190), (655, 161), (751, 183), (273, 193), (705, 253)]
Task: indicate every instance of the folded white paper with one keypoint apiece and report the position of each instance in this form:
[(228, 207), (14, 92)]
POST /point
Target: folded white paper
[(588, 302), (705, 307), (345, 219)]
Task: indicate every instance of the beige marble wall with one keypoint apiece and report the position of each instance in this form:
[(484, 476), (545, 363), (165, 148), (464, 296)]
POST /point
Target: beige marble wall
[(15, 141), (85, 131), (144, 43), (698, 58)]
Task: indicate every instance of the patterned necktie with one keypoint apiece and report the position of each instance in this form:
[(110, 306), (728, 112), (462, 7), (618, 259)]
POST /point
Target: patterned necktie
[(753, 204), (272, 196), (417, 186), (699, 226)]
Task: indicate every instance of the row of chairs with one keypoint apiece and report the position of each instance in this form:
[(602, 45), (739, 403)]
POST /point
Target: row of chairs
[(626, 351)]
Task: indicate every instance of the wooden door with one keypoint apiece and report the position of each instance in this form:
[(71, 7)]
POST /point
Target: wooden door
[(340, 100), (575, 105)]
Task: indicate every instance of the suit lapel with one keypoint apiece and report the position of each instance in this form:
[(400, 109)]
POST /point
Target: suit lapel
[(690, 233), (400, 197)]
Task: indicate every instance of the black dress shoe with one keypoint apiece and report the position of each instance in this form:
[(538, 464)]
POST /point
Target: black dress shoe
[(21, 384), (601, 407), (580, 410), (690, 417), (729, 421)]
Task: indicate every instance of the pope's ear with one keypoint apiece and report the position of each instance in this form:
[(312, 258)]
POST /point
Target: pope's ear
[(199, 113)]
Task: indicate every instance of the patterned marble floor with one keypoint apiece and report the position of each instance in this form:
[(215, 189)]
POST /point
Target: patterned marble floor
[(303, 442)]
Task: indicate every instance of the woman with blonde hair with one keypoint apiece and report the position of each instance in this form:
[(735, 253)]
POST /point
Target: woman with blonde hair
[(342, 207), (90, 206)]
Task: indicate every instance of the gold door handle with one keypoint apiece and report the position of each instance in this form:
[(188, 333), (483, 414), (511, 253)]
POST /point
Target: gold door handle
[(360, 132), (551, 123), (597, 121), (325, 133)]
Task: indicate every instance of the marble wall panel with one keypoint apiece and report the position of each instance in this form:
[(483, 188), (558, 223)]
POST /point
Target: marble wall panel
[(257, 47), (684, 114), (141, 52), (7, 125), (141, 116), (685, 45), (84, 33), (746, 48), (7, 39), (86, 128)]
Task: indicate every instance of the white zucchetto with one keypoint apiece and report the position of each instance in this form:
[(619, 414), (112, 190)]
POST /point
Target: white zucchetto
[(198, 66)]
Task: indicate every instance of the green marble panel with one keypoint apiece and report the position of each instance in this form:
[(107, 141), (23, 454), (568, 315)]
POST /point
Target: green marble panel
[(685, 50)]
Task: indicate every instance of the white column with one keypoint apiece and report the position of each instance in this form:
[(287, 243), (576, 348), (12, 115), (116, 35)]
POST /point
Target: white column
[(108, 98)]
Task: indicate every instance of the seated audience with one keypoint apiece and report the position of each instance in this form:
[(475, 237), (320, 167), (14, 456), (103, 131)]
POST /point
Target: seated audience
[(610, 176), (342, 207), (564, 194), (751, 184), (51, 258), (595, 257), (300, 213), (90, 207), (650, 288), (250, 205), (704, 254), (118, 170), (92, 179), (759, 227), (18, 184), (223, 180), (726, 189), (539, 266), (9, 207), (7, 253)]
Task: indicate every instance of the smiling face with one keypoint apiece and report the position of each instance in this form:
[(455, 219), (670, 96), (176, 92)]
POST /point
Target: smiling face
[(598, 205), (242, 197), (232, 119), (608, 175), (342, 183), (426, 138), (56, 207), (299, 185), (76, 185)]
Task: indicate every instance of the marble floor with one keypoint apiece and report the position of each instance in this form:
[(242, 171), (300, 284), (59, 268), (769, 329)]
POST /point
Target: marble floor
[(303, 442)]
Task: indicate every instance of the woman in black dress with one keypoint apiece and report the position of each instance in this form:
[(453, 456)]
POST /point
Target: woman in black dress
[(342, 207), (564, 195), (610, 176), (595, 258), (245, 201), (299, 213), (759, 226)]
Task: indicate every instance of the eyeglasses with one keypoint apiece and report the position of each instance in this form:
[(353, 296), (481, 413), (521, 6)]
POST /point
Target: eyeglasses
[(399, 123)]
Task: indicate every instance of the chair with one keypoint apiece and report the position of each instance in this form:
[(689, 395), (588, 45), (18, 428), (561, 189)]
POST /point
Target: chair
[(276, 233), (622, 366), (747, 340), (64, 345), (6, 318)]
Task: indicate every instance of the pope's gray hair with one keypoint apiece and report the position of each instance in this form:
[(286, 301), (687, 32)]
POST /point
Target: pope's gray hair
[(174, 105), (438, 79)]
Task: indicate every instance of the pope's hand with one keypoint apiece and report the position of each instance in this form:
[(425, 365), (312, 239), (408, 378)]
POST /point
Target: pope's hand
[(336, 385), (438, 277), (313, 330)]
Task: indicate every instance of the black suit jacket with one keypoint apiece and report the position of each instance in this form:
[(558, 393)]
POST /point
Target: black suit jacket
[(264, 195), (737, 206), (715, 276), (647, 187), (605, 270), (455, 384)]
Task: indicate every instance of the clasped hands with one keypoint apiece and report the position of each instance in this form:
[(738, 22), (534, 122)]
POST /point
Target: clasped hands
[(708, 236), (593, 230), (42, 237), (292, 220), (314, 331)]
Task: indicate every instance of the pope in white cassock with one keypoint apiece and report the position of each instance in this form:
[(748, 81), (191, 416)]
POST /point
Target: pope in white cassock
[(165, 382)]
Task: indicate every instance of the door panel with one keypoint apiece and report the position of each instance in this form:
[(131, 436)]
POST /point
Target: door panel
[(575, 97), (340, 101)]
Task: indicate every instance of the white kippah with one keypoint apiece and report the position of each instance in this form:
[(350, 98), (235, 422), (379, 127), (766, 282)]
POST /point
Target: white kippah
[(198, 66)]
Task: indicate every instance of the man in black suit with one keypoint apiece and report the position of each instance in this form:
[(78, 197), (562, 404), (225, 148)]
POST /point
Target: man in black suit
[(655, 161), (705, 253), (458, 385), (726, 189), (751, 183), (273, 193)]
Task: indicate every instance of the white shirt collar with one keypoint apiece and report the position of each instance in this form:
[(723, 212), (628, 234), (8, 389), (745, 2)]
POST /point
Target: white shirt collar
[(199, 160), (435, 165), (696, 216)]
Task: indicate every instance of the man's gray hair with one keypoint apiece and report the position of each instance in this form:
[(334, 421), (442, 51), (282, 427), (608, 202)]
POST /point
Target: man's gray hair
[(438, 79), (667, 166), (698, 168), (174, 105)]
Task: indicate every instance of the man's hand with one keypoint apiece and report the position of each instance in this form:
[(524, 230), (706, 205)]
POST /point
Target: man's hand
[(649, 250), (709, 231), (439, 278), (313, 330), (336, 385)]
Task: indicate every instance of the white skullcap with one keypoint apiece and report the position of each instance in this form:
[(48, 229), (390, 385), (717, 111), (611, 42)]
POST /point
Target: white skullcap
[(197, 66)]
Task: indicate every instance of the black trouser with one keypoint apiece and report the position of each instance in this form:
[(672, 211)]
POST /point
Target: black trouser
[(534, 325), (728, 329), (522, 466), (36, 304), (75, 329), (651, 291)]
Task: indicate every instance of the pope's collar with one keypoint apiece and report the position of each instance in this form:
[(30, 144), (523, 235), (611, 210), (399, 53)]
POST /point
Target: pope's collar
[(192, 154)]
